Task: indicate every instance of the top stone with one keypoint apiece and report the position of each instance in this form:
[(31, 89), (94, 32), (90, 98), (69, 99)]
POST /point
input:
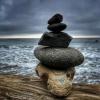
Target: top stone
[(57, 18)]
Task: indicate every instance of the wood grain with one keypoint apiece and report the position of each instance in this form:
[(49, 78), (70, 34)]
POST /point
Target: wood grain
[(14, 87)]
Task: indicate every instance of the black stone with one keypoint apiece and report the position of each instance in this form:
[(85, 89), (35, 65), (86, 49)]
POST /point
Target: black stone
[(57, 18), (57, 27), (51, 39), (59, 58)]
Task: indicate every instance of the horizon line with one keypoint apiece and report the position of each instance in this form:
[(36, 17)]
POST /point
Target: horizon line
[(25, 36)]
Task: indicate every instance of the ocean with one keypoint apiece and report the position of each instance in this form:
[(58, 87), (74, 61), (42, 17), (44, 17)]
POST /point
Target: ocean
[(17, 58)]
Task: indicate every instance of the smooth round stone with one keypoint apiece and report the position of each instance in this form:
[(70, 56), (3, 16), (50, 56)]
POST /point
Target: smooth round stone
[(57, 27), (59, 58), (51, 39), (57, 18)]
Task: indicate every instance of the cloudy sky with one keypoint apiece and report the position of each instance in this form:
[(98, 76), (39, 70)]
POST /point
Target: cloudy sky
[(30, 16)]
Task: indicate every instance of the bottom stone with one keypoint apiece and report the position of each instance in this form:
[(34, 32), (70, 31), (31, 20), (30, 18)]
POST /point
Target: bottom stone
[(59, 83)]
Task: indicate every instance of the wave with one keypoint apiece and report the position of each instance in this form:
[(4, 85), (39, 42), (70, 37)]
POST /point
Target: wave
[(19, 59), (7, 66), (15, 47)]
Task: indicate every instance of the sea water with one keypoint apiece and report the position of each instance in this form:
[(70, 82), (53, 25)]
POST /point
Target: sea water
[(17, 58)]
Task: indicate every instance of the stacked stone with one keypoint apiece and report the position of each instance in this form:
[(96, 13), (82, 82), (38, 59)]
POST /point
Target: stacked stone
[(55, 38), (57, 60)]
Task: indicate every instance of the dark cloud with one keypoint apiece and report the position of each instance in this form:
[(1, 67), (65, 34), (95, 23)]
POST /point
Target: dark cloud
[(22, 16)]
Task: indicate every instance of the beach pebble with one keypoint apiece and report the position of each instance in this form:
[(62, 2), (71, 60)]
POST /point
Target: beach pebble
[(57, 27), (59, 82), (57, 18), (59, 58), (52, 39)]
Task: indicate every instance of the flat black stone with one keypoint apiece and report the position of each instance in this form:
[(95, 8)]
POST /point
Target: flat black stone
[(51, 39), (59, 58), (57, 27), (57, 18)]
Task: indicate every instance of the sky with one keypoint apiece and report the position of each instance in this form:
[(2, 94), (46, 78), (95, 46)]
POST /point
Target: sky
[(20, 17)]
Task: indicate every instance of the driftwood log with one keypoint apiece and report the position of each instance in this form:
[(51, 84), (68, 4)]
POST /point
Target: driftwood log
[(14, 87)]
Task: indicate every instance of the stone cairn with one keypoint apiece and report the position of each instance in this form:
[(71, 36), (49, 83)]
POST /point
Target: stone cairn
[(57, 60)]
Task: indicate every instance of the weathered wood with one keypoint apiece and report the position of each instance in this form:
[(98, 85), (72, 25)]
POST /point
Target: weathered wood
[(14, 87)]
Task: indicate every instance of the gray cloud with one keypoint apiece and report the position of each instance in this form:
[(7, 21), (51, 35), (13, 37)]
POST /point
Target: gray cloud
[(22, 16)]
